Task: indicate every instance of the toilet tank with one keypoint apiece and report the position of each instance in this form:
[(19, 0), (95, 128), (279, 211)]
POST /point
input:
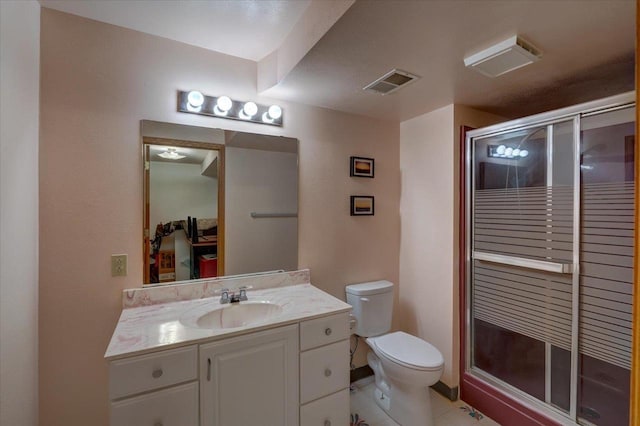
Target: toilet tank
[(372, 304)]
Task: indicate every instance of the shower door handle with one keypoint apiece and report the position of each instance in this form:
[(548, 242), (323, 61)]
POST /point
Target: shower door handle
[(523, 262)]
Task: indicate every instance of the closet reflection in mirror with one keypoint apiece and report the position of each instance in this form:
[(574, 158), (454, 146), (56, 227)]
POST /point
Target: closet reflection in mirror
[(217, 202)]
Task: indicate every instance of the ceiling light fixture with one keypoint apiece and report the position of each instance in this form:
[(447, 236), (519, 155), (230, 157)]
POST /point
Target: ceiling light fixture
[(194, 102), (508, 55), (171, 154)]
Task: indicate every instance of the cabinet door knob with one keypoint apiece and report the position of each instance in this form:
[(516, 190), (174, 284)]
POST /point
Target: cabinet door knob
[(327, 372), (327, 331), (327, 423), (157, 373)]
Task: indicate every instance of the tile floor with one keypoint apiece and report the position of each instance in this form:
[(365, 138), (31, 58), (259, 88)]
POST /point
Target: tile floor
[(445, 412)]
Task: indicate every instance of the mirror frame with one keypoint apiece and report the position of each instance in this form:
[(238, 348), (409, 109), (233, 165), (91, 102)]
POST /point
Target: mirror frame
[(147, 140)]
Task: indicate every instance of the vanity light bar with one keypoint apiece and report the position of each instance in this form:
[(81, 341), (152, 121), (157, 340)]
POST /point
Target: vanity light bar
[(194, 102)]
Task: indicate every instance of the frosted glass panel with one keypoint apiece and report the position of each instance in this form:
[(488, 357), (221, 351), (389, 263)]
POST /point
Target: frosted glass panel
[(523, 211), (606, 268)]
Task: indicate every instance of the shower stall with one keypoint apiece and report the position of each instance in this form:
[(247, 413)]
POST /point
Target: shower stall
[(548, 267)]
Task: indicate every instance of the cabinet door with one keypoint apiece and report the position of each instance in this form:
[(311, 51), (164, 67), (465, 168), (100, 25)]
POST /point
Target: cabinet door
[(251, 380)]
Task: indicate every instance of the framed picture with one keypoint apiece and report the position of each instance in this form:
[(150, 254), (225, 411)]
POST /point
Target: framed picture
[(361, 205), (361, 167)]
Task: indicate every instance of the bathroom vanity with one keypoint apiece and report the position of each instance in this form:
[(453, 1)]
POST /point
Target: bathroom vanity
[(280, 358)]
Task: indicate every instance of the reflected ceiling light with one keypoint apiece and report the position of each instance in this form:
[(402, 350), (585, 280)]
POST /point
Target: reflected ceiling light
[(508, 152), (171, 154), (195, 100), (223, 105), (248, 110)]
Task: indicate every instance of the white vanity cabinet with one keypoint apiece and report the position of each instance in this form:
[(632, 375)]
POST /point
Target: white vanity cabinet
[(251, 379), (159, 389), (293, 375)]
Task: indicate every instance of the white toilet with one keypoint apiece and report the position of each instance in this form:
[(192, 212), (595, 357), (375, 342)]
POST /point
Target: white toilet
[(404, 365)]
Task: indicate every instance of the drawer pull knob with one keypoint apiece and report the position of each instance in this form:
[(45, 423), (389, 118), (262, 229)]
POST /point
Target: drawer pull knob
[(327, 372), (327, 331), (327, 423), (157, 373)]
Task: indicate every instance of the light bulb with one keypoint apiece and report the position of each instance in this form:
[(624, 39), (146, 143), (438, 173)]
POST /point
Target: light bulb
[(224, 103), (508, 152), (250, 109), (500, 150), (524, 153), (275, 112), (516, 152), (195, 99)]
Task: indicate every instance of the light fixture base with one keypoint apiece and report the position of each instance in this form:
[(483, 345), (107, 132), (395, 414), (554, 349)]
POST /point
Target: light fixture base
[(209, 108)]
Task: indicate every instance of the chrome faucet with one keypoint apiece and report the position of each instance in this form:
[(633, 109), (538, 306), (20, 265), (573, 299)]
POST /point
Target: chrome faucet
[(241, 297), (231, 297)]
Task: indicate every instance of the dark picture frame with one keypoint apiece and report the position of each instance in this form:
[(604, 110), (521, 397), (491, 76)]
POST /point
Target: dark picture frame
[(362, 205), (362, 167)]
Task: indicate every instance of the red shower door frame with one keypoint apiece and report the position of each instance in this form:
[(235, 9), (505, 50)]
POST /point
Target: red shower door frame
[(485, 398)]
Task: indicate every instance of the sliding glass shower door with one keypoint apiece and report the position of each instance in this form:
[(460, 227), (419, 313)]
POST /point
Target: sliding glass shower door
[(549, 263)]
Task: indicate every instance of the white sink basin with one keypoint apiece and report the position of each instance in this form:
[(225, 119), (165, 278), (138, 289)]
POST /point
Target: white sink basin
[(234, 315)]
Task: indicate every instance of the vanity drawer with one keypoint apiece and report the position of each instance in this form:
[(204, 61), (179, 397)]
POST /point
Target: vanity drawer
[(324, 371), (147, 372), (322, 331), (332, 410), (175, 406)]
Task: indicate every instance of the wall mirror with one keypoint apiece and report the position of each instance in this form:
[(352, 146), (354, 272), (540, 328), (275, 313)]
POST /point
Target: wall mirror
[(217, 202)]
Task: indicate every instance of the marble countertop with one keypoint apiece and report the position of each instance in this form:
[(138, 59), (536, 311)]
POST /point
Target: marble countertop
[(162, 326)]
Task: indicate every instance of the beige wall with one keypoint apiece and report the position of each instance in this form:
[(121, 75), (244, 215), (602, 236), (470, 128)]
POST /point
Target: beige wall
[(429, 156), (19, 86), (98, 82)]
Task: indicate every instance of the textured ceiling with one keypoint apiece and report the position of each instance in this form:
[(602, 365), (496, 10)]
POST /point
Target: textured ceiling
[(249, 29), (588, 53), (588, 48)]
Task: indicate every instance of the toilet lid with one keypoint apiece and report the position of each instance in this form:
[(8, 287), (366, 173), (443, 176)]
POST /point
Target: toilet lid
[(409, 350)]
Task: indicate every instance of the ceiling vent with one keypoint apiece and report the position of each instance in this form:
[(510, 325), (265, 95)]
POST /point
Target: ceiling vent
[(508, 55), (390, 82)]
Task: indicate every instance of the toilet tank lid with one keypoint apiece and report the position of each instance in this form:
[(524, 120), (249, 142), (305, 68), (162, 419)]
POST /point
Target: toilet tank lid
[(372, 287)]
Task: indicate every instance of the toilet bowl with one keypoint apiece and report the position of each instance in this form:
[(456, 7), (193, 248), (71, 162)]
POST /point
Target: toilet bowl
[(404, 365)]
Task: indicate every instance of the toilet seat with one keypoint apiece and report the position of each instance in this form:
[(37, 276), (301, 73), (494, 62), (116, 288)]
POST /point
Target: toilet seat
[(409, 351)]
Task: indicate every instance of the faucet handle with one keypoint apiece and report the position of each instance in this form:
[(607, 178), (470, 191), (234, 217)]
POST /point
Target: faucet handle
[(243, 293), (224, 298)]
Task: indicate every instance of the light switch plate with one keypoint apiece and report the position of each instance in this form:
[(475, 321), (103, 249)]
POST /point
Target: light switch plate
[(118, 265)]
